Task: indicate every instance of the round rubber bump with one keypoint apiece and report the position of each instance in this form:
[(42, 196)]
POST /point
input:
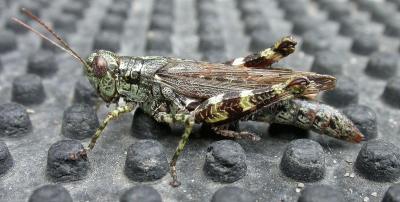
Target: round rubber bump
[(6, 160), (142, 193), (15, 27), (84, 4), (211, 43), (8, 41), (206, 12), (107, 41), (161, 22), (43, 3), (28, 90), (393, 27), (42, 63), (79, 122), (382, 65), (382, 12), (85, 93), (392, 194), (65, 22), (241, 5), (74, 8), (67, 161), (14, 120), (225, 161), (328, 62), (317, 193), (366, 5), (304, 24), (233, 194), (295, 9), (262, 39), (206, 8), (112, 23), (303, 160), (145, 127), (365, 44), (315, 41), (379, 161), (50, 193), (208, 27), (249, 8), (391, 94), (158, 41), (146, 161), (339, 11), (325, 4), (287, 4), (164, 8), (364, 118), (119, 10), (345, 93), (396, 2), (255, 23), (352, 27)]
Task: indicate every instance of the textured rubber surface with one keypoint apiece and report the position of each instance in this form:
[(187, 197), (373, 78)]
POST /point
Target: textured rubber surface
[(357, 41)]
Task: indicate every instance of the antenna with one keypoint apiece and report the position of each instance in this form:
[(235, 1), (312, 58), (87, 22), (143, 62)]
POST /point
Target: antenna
[(62, 44)]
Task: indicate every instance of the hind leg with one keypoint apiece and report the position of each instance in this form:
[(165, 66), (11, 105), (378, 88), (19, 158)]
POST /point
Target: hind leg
[(267, 57)]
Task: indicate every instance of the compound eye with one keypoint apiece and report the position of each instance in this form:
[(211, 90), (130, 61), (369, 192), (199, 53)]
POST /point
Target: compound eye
[(99, 66)]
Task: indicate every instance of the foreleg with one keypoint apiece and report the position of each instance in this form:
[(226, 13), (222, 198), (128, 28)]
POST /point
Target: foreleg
[(110, 116)]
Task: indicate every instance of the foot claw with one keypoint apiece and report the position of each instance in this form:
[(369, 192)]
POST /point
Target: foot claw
[(252, 136), (256, 138), (83, 153), (75, 156), (175, 183)]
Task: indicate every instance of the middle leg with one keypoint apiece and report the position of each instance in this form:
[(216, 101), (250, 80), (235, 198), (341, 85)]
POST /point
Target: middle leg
[(224, 131), (186, 119)]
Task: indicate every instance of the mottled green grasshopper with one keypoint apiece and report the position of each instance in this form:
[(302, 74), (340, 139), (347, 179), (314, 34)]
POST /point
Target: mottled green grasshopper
[(173, 90)]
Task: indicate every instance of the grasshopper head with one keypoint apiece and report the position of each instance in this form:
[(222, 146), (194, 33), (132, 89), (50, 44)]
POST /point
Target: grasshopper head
[(100, 67), (101, 72)]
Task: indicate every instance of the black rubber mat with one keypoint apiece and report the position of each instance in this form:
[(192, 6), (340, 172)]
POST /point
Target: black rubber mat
[(48, 109)]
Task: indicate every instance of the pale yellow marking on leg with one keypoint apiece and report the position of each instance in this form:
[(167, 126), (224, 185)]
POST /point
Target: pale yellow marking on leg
[(245, 103), (238, 61), (112, 115)]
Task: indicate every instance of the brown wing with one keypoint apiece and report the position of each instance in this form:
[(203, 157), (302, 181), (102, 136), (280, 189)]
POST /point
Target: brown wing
[(201, 80)]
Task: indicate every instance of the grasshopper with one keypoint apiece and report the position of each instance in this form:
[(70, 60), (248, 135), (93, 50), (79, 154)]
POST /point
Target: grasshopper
[(180, 91)]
